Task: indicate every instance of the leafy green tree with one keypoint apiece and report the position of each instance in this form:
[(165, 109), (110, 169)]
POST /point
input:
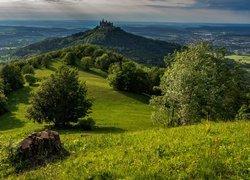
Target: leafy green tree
[(89, 50), (199, 84), (35, 62), (86, 62), (243, 113), (154, 78), (30, 79), (3, 99), (12, 77), (128, 76), (28, 69), (70, 59), (98, 52), (61, 99), (45, 61), (103, 62)]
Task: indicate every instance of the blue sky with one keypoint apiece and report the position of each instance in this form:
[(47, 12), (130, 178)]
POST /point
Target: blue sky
[(215, 11)]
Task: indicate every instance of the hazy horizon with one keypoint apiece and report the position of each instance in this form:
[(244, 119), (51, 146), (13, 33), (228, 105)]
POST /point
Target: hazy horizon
[(162, 11)]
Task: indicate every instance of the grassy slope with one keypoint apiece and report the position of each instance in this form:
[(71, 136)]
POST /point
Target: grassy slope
[(245, 60), (215, 151), (206, 150), (109, 110)]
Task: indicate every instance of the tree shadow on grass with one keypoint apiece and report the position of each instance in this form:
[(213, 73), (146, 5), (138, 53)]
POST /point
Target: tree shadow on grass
[(101, 74), (9, 120), (37, 162), (97, 73), (108, 130), (76, 130), (138, 97)]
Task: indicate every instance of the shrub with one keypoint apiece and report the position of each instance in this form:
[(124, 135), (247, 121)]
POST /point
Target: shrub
[(128, 76), (28, 69), (86, 62), (3, 99), (12, 77), (30, 79), (45, 61), (86, 124), (103, 62), (70, 59), (243, 113)]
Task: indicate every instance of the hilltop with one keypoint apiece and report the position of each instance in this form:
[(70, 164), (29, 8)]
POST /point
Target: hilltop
[(143, 50)]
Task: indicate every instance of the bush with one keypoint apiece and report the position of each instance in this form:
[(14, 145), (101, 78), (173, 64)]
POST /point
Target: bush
[(103, 62), (128, 76), (30, 79), (86, 62), (12, 77), (28, 69), (244, 113), (70, 59), (45, 61), (3, 99), (154, 77), (86, 124)]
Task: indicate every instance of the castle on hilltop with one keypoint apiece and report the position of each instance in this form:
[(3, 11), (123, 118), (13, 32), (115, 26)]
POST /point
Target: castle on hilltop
[(106, 24)]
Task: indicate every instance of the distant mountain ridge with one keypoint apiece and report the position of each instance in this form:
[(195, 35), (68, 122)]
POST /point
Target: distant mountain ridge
[(143, 50)]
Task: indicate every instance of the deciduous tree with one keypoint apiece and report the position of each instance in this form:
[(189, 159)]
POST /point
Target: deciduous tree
[(61, 99)]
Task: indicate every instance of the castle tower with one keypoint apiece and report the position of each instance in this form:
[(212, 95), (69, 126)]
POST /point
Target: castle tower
[(106, 24)]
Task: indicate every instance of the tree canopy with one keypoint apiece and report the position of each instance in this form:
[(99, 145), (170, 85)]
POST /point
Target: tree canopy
[(12, 77), (199, 84), (60, 99), (127, 76), (3, 99)]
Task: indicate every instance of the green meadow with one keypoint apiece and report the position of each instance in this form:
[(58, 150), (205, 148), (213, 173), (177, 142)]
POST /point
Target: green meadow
[(244, 60), (125, 144)]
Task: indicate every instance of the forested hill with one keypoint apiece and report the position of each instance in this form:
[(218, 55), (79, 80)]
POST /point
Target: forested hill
[(142, 50)]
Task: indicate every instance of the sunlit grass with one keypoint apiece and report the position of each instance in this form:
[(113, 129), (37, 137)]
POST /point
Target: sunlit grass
[(126, 145)]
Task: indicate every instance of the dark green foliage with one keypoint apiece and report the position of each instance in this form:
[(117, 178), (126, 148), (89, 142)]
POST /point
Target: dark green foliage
[(98, 52), (70, 59), (89, 50), (28, 69), (200, 84), (244, 113), (128, 76), (3, 99), (35, 62), (45, 62), (142, 50), (86, 62), (12, 77), (86, 124), (60, 99), (154, 77), (30, 79), (103, 62), (20, 64), (132, 77)]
